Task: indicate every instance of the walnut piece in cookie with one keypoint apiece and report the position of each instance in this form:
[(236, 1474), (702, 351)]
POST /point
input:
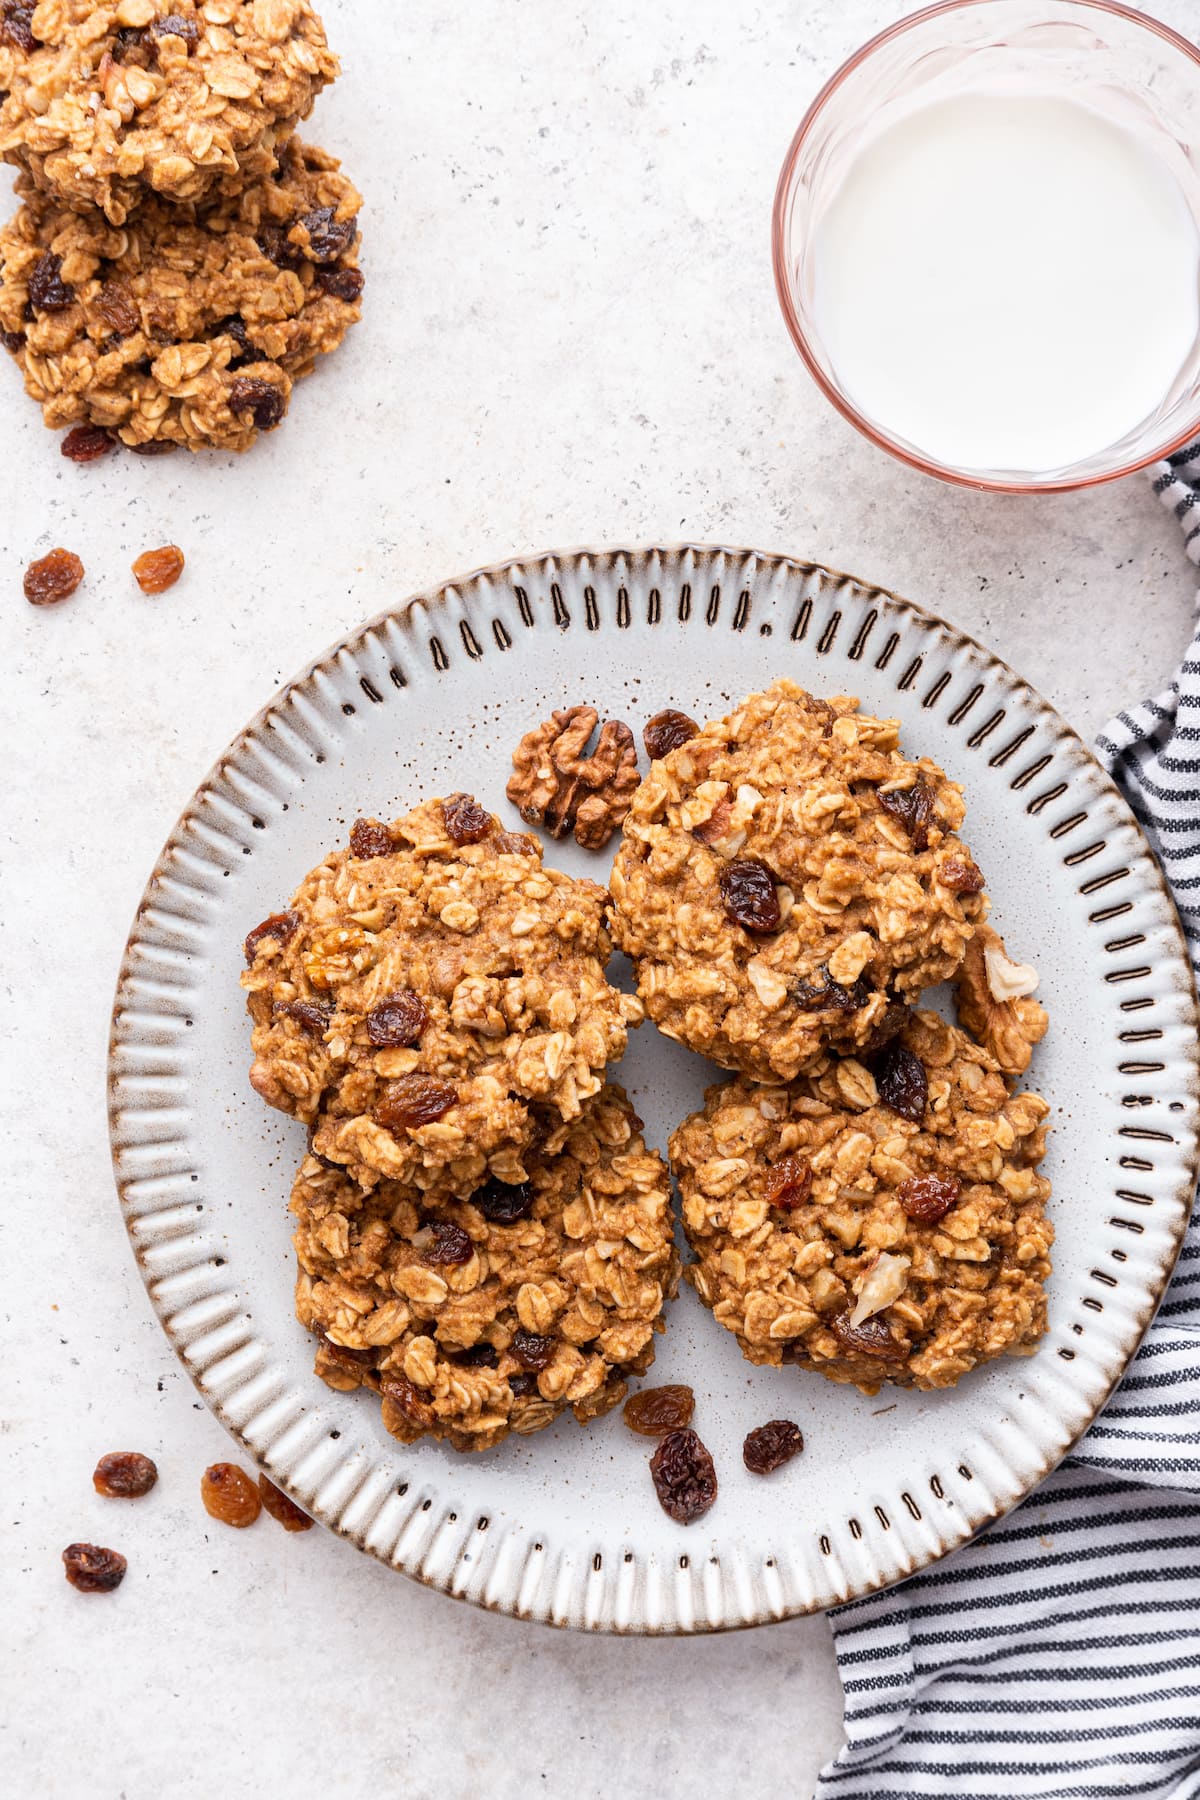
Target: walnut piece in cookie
[(104, 105), (550, 1302), (189, 326), (555, 782), (993, 1001), (915, 1250), (786, 876), (434, 1000)]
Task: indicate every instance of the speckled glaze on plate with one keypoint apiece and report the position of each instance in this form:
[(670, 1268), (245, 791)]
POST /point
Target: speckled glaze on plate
[(564, 1527)]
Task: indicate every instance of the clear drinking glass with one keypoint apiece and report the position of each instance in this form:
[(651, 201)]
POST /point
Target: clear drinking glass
[(1137, 72)]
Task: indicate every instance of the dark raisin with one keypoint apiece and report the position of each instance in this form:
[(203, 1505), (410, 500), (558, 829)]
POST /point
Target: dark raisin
[(895, 1017), (154, 446), (450, 1246), (157, 570), (466, 821), (928, 1198), (48, 292), (93, 1570), (655, 1411), (124, 1475), (235, 327), (114, 310), (328, 237), (54, 577), (229, 1495), (177, 25), (398, 1021), (902, 1082), (750, 896), (530, 1350), (961, 876), (913, 807), (666, 731), (16, 25), (343, 284), (131, 47), (828, 995), (344, 1353), (310, 1015), (13, 341), (261, 399), (282, 927), (414, 1100), (788, 1183), (871, 1338), (479, 1356), (408, 1400), (769, 1446), (281, 1509), (368, 839), (522, 1385), (503, 1202), (86, 444), (684, 1478), (273, 242)]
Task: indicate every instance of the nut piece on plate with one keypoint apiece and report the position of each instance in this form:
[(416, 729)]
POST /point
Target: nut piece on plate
[(496, 1313), (105, 104), (556, 784), (785, 877), (434, 1000), (918, 1249), (191, 325), (993, 1001)]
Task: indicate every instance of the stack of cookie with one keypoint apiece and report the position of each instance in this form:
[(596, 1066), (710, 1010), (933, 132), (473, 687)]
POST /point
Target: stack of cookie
[(864, 1199), (484, 1238), (179, 259)]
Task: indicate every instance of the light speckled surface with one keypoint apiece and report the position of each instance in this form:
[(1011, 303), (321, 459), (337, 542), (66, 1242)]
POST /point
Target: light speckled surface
[(570, 336)]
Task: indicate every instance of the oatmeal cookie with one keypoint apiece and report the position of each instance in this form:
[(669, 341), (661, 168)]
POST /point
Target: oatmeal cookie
[(494, 1314), (434, 1000), (188, 326), (868, 1243), (785, 876), (105, 104)]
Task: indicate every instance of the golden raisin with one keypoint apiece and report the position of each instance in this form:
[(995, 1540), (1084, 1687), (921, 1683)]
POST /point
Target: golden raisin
[(788, 1183), (124, 1475), (229, 1495), (52, 578), (283, 1510), (157, 570), (655, 1411)]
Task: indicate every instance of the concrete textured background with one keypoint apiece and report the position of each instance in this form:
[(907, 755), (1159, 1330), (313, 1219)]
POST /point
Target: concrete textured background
[(571, 336)]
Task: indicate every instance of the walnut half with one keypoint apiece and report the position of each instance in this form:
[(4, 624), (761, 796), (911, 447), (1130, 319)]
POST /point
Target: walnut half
[(556, 784), (1006, 1028)]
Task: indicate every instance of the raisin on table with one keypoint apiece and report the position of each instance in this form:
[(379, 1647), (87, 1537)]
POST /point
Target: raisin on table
[(655, 1411), (229, 1495), (684, 1477), (284, 1511), (92, 1569), (124, 1475), (666, 731), (750, 895), (157, 570), (769, 1446), (53, 578), (86, 443)]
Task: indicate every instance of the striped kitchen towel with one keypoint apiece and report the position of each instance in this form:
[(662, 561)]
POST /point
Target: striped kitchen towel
[(1057, 1656)]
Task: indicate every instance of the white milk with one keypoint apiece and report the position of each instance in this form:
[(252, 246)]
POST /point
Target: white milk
[(1007, 283)]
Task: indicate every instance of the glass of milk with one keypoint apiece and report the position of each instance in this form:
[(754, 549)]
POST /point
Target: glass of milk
[(987, 241)]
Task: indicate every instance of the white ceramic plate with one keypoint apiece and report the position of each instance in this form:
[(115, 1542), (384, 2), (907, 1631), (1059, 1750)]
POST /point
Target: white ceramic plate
[(564, 1526)]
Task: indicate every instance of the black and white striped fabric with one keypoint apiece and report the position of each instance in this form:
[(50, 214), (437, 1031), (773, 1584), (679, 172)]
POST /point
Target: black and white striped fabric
[(1057, 1657)]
